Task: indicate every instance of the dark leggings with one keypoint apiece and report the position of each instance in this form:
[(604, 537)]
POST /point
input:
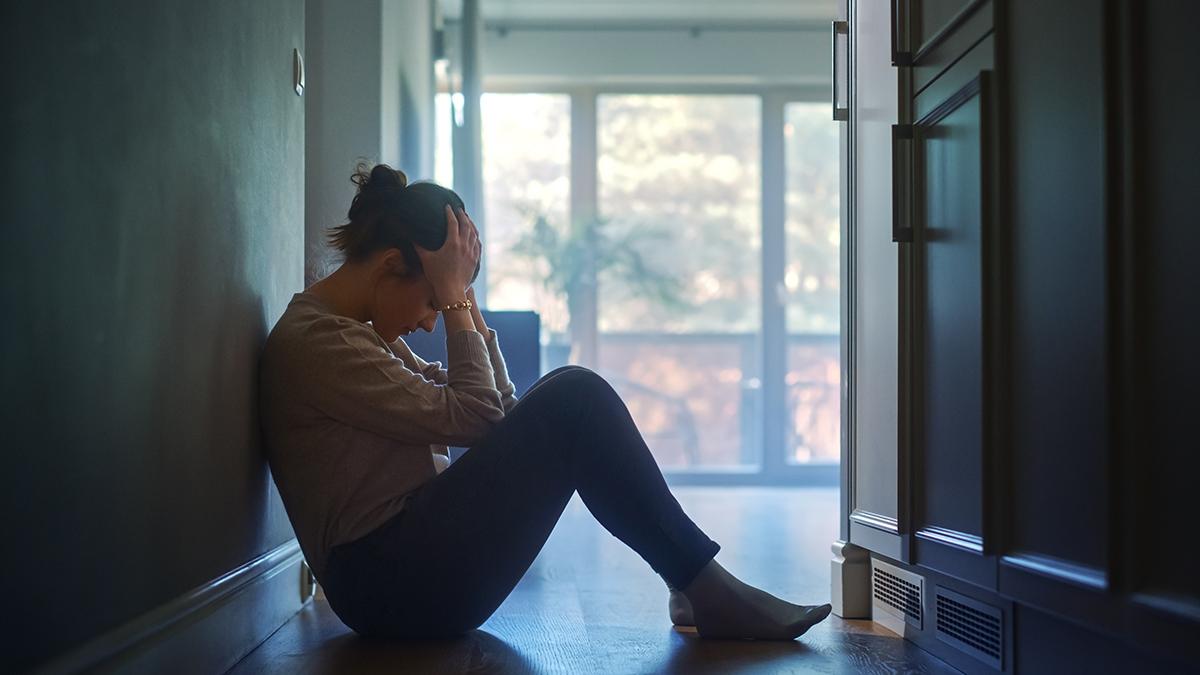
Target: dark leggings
[(444, 564)]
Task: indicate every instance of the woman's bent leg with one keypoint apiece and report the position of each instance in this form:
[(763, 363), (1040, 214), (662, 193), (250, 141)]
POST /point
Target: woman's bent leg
[(618, 479), (575, 421), (468, 535)]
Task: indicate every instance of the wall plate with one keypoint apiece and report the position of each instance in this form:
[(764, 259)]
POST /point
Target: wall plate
[(297, 72)]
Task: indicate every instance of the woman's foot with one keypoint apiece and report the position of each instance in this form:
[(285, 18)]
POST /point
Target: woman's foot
[(725, 607), (681, 609)]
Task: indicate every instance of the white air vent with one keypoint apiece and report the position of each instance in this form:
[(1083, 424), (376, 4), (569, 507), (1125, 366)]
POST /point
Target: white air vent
[(971, 626), (898, 593)]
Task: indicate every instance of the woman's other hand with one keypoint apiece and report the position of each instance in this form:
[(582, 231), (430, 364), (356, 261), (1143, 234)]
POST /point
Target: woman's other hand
[(474, 229), (451, 268)]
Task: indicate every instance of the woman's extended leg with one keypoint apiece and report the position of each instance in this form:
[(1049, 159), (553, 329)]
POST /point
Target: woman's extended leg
[(468, 535)]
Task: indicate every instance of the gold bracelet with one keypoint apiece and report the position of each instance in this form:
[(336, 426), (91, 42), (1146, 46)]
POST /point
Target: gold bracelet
[(461, 304)]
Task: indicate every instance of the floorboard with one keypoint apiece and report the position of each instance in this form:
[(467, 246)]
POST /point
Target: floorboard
[(591, 605)]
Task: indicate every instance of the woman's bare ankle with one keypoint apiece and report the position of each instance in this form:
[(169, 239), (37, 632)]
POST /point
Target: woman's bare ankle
[(712, 584)]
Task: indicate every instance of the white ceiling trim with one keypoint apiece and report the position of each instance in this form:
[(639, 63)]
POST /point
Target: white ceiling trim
[(661, 12)]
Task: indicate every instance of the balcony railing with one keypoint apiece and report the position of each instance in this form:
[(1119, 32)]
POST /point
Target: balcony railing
[(697, 398)]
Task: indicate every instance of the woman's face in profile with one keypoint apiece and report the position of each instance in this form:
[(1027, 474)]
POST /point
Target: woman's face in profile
[(401, 305)]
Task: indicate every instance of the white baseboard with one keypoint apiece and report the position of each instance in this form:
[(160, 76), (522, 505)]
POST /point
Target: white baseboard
[(206, 630), (850, 577)]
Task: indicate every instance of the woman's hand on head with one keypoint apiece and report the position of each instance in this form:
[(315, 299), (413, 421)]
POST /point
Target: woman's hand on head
[(451, 268)]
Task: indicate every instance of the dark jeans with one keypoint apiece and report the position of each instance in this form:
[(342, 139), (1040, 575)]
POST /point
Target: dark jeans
[(444, 564)]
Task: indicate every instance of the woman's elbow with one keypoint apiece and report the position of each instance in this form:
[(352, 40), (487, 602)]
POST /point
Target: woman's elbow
[(490, 417), (472, 425)]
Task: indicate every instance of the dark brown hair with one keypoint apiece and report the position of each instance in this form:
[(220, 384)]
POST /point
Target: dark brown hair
[(389, 212)]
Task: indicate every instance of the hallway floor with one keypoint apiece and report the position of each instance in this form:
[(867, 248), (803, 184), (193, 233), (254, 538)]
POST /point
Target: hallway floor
[(591, 605)]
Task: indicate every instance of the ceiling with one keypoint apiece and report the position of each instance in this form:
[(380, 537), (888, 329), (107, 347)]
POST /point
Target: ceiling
[(649, 12)]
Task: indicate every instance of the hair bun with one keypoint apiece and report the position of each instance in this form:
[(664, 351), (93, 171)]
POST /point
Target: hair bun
[(379, 178)]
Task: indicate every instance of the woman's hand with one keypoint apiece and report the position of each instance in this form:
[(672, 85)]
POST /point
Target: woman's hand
[(450, 268)]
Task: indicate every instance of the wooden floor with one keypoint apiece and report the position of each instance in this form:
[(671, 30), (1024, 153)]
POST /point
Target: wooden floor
[(591, 605)]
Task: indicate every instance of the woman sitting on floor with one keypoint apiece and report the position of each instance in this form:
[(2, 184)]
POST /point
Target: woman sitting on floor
[(356, 427)]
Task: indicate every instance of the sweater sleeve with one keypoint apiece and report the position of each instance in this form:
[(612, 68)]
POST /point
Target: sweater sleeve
[(506, 388), (432, 371), (355, 378), (435, 372)]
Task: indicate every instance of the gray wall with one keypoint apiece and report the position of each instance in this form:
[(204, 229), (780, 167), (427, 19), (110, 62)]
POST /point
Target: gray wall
[(343, 114), (409, 64), (153, 231), (370, 96)]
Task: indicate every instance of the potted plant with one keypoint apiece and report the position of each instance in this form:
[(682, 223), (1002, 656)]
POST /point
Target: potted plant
[(576, 254)]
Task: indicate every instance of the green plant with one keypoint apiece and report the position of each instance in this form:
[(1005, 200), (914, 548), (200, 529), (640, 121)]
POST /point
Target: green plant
[(580, 252)]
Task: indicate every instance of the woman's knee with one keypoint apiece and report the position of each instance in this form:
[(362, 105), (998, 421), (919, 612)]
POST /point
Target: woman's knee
[(565, 392), (572, 378), (549, 377), (556, 372)]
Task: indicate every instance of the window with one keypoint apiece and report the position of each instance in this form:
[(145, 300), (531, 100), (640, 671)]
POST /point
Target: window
[(812, 281), (678, 179), (677, 325), (527, 175)]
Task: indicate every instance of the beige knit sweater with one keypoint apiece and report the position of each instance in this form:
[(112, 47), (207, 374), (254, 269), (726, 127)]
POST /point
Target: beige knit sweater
[(352, 424)]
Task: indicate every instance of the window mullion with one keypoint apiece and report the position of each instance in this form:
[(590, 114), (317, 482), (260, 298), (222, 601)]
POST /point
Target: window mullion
[(773, 297)]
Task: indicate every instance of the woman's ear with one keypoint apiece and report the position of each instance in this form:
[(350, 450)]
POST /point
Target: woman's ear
[(393, 262)]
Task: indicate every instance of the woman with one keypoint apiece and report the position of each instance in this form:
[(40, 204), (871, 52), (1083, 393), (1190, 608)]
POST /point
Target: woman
[(406, 544)]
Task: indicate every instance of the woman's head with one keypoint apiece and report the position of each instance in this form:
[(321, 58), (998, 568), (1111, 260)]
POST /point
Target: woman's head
[(389, 212), (387, 217)]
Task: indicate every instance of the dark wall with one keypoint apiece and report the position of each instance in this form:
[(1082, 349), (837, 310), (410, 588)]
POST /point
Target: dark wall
[(153, 231)]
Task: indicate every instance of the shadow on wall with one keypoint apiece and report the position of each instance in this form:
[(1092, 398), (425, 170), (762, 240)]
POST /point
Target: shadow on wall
[(164, 236)]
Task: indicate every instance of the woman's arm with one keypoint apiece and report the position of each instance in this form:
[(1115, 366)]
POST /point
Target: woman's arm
[(351, 375), (433, 371), (436, 373), (476, 313), (499, 368)]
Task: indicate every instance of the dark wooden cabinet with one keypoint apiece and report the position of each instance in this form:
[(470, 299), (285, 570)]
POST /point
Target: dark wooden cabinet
[(1043, 168), (948, 317), (1057, 338), (1157, 295), (947, 163)]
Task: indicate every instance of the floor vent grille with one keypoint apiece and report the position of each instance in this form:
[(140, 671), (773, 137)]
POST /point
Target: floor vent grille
[(971, 626), (898, 592)]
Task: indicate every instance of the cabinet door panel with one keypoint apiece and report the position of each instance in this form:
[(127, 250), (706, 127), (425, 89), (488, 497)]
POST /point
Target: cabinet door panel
[(1162, 456), (1059, 436), (934, 16), (950, 317), (951, 169), (942, 32)]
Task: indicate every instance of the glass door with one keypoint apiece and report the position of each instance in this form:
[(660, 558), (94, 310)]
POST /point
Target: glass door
[(702, 201), (679, 194), (812, 285)]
